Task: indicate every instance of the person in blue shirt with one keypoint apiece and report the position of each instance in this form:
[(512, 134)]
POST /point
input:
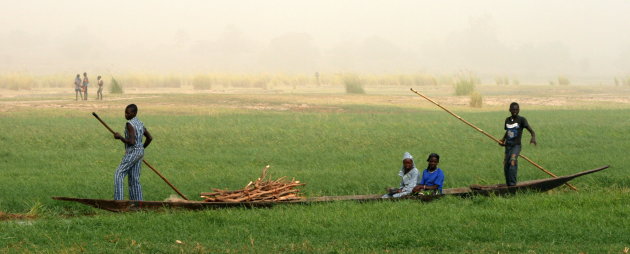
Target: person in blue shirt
[(432, 177), (409, 177)]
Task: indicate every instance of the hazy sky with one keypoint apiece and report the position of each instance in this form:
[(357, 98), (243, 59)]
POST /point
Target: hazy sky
[(538, 38)]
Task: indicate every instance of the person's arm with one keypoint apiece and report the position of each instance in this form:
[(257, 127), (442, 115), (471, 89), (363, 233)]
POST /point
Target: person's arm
[(531, 131), (420, 183), (148, 137), (132, 135)]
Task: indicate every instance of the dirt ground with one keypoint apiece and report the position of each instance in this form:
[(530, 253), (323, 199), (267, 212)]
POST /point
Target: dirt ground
[(322, 98)]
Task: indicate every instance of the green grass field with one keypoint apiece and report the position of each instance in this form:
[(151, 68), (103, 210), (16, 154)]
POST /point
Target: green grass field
[(338, 145)]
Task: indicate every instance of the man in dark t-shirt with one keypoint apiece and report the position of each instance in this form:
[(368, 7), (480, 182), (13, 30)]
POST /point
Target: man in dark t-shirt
[(514, 126)]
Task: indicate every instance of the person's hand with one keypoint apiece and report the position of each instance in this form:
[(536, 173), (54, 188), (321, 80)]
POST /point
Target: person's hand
[(117, 136), (502, 142), (533, 141)]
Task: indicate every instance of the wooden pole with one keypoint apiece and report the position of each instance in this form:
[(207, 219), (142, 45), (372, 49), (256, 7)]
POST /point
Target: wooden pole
[(145, 162), (488, 135)]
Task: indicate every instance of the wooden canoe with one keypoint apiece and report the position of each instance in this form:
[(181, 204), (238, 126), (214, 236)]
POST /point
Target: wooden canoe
[(540, 185), (135, 205)]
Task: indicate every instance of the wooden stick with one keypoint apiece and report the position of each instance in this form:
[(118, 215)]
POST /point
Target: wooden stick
[(488, 135), (145, 162)]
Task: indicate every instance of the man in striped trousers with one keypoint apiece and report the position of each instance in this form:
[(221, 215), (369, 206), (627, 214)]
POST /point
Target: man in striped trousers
[(134, 151)]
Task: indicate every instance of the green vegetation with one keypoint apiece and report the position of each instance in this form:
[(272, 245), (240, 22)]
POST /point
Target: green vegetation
[(115, 88), (503, 80), (476, 100), (563, 81), (338, 145), (466, 83), (202, 82), (353, 84)]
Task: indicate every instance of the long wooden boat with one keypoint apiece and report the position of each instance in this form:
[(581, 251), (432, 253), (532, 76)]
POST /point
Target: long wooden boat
[(539, 185)]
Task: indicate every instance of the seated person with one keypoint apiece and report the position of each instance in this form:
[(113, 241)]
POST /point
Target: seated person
[(432, 177), (409, 177)]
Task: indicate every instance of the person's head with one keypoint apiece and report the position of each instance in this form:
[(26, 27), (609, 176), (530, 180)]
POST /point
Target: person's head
[(85, 74), (433, 160), (78, 75), (99, 77), (407, 161), (131, 111), (514, 108)]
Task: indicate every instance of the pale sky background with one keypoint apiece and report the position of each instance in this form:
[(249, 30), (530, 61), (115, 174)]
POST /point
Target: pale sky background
[(520, 38)]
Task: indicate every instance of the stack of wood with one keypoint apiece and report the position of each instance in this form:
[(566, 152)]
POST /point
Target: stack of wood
[(262, 190)]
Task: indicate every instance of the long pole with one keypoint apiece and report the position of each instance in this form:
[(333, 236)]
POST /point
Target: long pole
[(145, 162), (488, 135)]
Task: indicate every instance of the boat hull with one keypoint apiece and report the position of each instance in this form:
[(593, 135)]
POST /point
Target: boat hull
[(539, 185)]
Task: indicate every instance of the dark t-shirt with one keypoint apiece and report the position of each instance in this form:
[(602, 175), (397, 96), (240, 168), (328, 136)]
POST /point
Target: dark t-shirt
[(514, 129)]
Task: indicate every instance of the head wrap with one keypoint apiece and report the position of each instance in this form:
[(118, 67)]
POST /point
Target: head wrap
[(407, 155)]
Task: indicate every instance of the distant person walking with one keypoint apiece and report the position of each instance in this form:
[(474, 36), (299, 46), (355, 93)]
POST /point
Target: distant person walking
[(134, 151), (77, 87), (99, 93), (86, 82), (514, 126)]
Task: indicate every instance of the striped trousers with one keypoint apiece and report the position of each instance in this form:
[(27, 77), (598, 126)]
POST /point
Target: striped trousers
[(130, 167)]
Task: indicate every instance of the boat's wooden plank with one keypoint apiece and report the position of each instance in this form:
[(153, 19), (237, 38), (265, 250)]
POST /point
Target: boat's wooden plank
[(497, 189)]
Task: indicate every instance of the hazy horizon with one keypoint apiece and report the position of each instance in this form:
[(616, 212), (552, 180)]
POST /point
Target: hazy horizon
[(525, 38)]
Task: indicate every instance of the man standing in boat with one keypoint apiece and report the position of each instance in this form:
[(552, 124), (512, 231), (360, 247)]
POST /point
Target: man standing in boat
[(514, 126), (134, 151)]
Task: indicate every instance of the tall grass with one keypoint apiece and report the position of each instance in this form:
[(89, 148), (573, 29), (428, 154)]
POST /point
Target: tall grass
[(210, 80), (476, 100), (563, 81), (464, 87), (116, 87), (465, 83), (353, 84)]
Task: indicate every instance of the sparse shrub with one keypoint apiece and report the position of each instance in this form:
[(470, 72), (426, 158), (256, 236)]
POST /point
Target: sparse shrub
[(115, 87), (476, 100), (465, 83), (202, 82), (464, 87), (169, 81), (353, 84), (563, 81), (17, 81), (502, 80), (498, 80), (516, 82)]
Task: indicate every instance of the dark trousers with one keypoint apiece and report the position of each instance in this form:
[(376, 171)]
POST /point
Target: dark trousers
[(510, 171)]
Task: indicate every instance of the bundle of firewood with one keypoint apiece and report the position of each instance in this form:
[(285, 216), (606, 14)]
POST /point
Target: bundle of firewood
[(262, 190)]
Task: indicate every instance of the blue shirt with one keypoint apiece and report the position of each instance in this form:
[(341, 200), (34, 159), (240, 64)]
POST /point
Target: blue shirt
[(433, 178)]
